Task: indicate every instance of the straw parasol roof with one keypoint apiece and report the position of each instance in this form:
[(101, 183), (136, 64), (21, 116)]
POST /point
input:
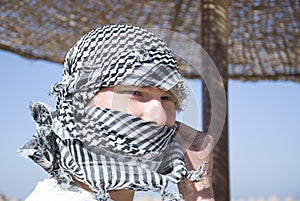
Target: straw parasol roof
[(261, 38), (263, 34)]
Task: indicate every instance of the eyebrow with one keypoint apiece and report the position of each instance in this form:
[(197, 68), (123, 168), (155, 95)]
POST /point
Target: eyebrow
[(148, 88)]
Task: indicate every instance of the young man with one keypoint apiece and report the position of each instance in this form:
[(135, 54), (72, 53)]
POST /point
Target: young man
[(113, 131)]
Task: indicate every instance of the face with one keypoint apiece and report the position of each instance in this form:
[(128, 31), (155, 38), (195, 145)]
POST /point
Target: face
[(150, 104)]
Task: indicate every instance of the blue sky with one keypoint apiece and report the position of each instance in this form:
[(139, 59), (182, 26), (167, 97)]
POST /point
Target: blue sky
[(264, 130)]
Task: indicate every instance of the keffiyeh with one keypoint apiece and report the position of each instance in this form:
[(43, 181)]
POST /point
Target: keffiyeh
[(101, 147)]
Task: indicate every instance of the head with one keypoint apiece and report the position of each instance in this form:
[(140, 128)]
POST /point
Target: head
[(123, 68), (119, 81)]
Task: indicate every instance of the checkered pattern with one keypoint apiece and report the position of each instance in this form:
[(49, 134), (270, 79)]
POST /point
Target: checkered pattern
[(107, 149)]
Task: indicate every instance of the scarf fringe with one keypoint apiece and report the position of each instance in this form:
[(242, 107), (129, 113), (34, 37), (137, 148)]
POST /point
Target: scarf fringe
[(172, 196), (46, 147), (196, 175), (103, 195), (64, 179)]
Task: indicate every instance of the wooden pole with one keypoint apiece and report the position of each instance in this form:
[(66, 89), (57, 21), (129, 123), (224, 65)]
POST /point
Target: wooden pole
[(214, 41)]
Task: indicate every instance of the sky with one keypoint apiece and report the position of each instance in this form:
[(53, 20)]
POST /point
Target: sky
[(264, 130)]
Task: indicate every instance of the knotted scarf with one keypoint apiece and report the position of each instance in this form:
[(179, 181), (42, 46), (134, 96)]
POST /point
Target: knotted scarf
[(101, 147)]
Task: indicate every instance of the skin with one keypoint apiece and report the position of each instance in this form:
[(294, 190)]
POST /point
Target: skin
[(159, 107), (150, 104), (198, 151)]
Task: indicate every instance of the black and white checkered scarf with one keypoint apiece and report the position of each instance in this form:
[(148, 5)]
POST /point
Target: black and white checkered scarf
[(103, 148)]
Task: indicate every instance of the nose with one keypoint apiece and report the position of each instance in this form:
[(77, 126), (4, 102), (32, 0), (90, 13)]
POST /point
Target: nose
[(155, 112)]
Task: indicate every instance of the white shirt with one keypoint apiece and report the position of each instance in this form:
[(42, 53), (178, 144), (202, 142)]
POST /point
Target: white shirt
[(48, 190)]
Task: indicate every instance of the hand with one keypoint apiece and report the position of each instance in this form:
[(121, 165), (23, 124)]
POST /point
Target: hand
[(197, 148)]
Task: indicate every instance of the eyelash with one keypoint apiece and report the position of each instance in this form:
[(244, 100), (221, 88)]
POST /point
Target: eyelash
[(131, 92), (137, 93), (166, 98), (140, 94)]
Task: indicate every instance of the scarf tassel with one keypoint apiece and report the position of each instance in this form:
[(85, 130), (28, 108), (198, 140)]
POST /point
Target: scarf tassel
[(64, 179), (103, 195), (196, 175), (172, 196)]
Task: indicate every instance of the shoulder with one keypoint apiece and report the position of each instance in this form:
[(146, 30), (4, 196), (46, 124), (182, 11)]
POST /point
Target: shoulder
[(48, 190)]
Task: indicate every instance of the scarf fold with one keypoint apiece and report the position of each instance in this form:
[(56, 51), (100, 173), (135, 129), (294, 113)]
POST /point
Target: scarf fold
[(103, 148), (103, 167)]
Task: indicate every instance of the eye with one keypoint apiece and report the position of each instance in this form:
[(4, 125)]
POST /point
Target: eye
[(169, 98), (165, 98), (131, 92), (137, 93)]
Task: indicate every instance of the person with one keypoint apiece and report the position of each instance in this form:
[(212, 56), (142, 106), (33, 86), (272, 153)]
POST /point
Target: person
[(114, 129)]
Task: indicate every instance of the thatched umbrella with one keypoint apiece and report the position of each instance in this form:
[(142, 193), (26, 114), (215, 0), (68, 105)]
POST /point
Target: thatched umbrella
[(248, 40)]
